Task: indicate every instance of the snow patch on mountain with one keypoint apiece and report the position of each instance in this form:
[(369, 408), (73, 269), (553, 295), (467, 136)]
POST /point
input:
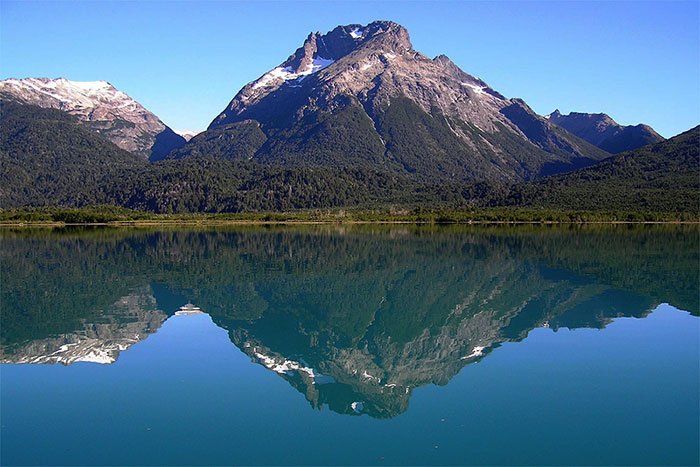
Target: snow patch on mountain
[(287, 73), (477, 89), (187, 134), (284, 366), (356, 33)]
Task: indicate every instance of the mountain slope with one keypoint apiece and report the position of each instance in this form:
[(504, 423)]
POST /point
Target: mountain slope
[(604, 132), (48, 158), (361, 96), (661, 177), (102, 108)]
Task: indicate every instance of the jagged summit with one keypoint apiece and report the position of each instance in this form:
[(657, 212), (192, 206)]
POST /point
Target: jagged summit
[(375, 63), (342, 40), (362, 96), (382, 40), (104, 109)]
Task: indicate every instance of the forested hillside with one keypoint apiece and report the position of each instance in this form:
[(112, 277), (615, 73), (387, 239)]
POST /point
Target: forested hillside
[(660, 177), (47, 158)]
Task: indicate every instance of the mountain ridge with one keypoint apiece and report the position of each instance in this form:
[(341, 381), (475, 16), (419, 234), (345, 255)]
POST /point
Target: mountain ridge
[(102, 108), (602, 131)]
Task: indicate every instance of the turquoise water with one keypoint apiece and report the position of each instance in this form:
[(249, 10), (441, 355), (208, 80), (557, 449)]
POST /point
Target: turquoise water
[(364, 346)]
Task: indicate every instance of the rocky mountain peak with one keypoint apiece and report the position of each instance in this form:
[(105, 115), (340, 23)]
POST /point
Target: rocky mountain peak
[(373, 73), (319, 50)]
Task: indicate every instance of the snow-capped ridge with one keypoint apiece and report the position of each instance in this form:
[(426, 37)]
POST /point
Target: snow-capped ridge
[(100, 105), (188, 134)]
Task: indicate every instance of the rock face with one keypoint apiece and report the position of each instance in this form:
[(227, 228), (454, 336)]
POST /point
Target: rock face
[(361, 96), (101, 107), (604, 132)]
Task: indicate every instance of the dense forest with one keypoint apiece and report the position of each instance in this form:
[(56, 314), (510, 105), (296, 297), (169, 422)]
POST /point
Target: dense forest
[(661, 177), (47, 159)]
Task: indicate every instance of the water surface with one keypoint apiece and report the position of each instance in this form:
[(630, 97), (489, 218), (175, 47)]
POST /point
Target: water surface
[(333, 345)]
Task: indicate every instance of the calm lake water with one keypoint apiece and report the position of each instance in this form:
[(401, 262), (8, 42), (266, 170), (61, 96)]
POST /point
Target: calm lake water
[(364, 345)]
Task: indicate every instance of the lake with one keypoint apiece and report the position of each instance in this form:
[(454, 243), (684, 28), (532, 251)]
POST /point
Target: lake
[(372, 345)]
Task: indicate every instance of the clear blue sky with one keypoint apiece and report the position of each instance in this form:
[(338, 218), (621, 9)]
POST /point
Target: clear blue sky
[(637, 61)]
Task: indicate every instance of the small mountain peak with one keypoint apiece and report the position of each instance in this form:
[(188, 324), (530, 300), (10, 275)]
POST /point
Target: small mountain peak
[(442, 59), (555, 114), (391, 33)]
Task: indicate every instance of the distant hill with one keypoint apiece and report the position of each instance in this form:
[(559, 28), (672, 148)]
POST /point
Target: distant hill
[(604, 132), (660, 177)]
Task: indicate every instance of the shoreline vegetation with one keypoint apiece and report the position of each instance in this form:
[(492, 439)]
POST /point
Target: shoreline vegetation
[(116, 216)]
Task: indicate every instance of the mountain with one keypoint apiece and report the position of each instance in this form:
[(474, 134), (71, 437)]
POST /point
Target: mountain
[(660, 177), (48, 158), (102, 108), (361, 96), (604, 132), (354, 118), (187, 134)]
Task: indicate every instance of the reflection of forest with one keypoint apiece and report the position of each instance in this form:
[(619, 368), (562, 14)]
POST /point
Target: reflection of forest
[(375, 310)]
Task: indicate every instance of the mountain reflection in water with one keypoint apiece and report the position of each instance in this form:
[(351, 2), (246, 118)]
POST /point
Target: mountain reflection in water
[(353, 318)]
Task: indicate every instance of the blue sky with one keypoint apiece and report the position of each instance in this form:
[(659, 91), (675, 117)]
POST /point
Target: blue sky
[(637, 61)]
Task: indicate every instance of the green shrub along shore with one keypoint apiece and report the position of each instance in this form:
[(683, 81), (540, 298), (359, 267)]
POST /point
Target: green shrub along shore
[(118, 215)]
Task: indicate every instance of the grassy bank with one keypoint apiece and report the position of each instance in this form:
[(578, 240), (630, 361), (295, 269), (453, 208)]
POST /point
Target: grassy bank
[(116, 215)]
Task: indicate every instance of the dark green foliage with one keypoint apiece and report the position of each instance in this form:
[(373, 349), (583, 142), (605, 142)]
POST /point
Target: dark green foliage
[(234, 141), (343, 138), (663, 177), (213, 185), (424, 144), (46, 158)]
